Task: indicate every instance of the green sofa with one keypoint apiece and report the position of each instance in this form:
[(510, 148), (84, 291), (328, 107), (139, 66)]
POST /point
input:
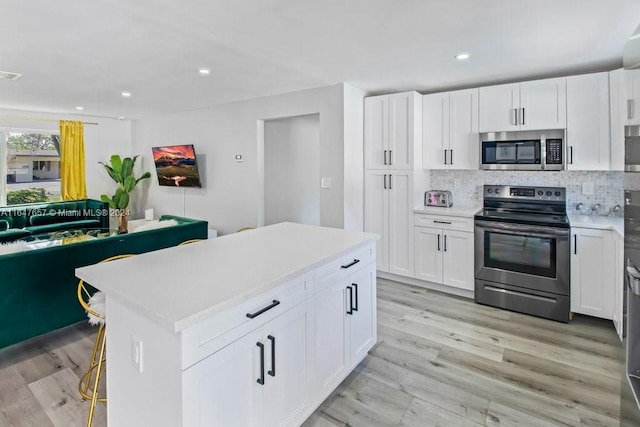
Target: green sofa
[(38, 286), (19, 221)]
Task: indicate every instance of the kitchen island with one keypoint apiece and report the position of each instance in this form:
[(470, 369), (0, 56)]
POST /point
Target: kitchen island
[(250, 329)]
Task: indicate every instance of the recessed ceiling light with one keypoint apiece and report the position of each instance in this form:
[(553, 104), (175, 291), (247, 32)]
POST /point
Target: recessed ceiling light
[(462, 56), (126, 94), (204, 71), (79, 108)]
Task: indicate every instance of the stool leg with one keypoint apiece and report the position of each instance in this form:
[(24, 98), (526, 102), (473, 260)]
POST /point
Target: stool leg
[(94, 396), (86, 379)]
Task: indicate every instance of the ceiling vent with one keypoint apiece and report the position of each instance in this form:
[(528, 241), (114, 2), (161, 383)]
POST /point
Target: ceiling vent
[(6, 75)]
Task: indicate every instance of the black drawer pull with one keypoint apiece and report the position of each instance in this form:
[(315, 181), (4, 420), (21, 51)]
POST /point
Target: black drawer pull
[(267, 308), (355, 261), (272, 372), (441, 222), (261, 379), (350, 311), (355, 289)]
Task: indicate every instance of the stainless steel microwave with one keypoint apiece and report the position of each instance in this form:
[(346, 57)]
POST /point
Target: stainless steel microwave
[(523, 154)]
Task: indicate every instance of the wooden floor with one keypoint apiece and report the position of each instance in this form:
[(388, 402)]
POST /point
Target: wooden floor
[(440, 361)]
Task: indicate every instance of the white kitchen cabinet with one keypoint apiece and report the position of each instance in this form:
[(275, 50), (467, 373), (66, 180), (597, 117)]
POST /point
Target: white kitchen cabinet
[(444, 250), (592, 272), (588, 131), (266, 376), (619, 282), (617, 109), (532, 105), (388, 199), (345, 327), (450, 130), (631, 112), (392, 134)]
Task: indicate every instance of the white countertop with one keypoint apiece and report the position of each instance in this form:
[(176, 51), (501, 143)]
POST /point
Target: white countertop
[(179, 286), (598, 222), (467, 212)]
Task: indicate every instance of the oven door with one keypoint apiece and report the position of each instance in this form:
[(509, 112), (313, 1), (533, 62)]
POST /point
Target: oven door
[(526, 256)]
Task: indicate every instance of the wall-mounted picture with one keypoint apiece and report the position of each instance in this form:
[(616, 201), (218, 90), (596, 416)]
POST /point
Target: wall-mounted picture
[(176, 166)]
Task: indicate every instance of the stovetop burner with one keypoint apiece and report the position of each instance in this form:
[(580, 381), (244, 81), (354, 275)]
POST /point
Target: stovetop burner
[(545, 206)]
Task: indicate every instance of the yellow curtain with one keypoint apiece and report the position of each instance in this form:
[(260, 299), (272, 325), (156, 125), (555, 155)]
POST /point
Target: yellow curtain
[(72, 180)]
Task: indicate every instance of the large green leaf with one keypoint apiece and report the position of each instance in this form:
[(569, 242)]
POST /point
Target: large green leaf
[(116, 163), (129, 184), (108, 200), (113, 174), (121, 199), (127, 168), (144, 176)]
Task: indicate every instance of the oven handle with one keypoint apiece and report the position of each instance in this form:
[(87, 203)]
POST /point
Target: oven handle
[(634, 280), (522, 228)]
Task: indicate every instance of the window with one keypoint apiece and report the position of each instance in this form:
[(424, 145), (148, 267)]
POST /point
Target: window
[(30, 168)]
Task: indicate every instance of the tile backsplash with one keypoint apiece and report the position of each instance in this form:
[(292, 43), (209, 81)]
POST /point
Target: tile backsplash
[(466, 185)]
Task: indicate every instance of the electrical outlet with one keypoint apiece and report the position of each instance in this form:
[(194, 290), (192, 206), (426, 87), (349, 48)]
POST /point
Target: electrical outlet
[(137, 353), (326, 182), (587, 188)]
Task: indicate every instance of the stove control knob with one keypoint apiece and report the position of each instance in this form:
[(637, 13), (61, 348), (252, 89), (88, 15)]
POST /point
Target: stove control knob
[(540, 192), (549, 193), (443, 202), (497, 191), (558, 194), (429, 200), (490, 191)]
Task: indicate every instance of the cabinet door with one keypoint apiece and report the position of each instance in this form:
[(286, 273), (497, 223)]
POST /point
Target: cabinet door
[(592, 272), (428, 254), (401, 130), (400, 223), (330, 361), (632, 110), (376, 213), (464, 141), (543, 104), (588, 134), (498, 108), (287, 366), (222, 390), (362, 320), (435, 131), (376, 132), (457, 260)]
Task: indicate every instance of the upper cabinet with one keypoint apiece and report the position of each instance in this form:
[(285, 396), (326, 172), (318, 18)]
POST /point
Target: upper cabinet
[(393, 131), (624, 100), (450, 130), (533, 105), (588, 133)]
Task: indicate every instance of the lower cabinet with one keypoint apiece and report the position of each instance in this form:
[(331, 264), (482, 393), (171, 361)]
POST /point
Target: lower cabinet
[(262, 379), (593, 272), (444, 248), (345, 327)]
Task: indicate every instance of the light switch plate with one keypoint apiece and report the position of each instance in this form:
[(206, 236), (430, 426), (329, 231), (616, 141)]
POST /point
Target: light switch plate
[(587, 188), (326, 182), (136, 352)]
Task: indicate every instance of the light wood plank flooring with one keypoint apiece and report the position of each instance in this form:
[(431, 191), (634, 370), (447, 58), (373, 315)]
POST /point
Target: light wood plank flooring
[(440, 361)]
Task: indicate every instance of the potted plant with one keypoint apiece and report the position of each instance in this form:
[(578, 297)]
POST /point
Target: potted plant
[(121, 171)]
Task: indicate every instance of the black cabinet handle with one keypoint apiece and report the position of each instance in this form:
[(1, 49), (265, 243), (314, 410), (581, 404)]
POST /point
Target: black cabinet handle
[(522, 116), (272, 372), (451, 156), (571, 154), (355, 291), (350, 311), (391, 157), (575, 244), (445, 156), (390, 182), (441, 222), (385, 181), (267, 308), (351, 264), (385, 156), (445, 243), (261, 379), (438, 242)]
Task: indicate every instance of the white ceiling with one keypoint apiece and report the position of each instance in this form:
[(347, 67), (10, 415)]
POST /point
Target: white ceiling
[(79, 52)]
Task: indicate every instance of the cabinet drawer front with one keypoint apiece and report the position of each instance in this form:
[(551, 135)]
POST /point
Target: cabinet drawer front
[(444, 222), (341, 267), (208, 336)]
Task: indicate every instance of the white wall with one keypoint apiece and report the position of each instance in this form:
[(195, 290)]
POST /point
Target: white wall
[(233, 193), (353, 158), (109, 137), (292, 170)]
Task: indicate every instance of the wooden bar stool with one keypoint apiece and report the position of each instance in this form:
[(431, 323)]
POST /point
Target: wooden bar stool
[(94, 305)]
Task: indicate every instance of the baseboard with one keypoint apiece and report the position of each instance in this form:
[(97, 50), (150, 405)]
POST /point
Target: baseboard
[(427, 285)]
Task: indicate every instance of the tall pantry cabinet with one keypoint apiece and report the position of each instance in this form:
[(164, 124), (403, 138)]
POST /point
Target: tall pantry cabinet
[(393, 151)]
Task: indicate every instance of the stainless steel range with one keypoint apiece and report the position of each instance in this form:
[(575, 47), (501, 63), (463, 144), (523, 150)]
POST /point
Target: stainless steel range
[(522, 251)]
